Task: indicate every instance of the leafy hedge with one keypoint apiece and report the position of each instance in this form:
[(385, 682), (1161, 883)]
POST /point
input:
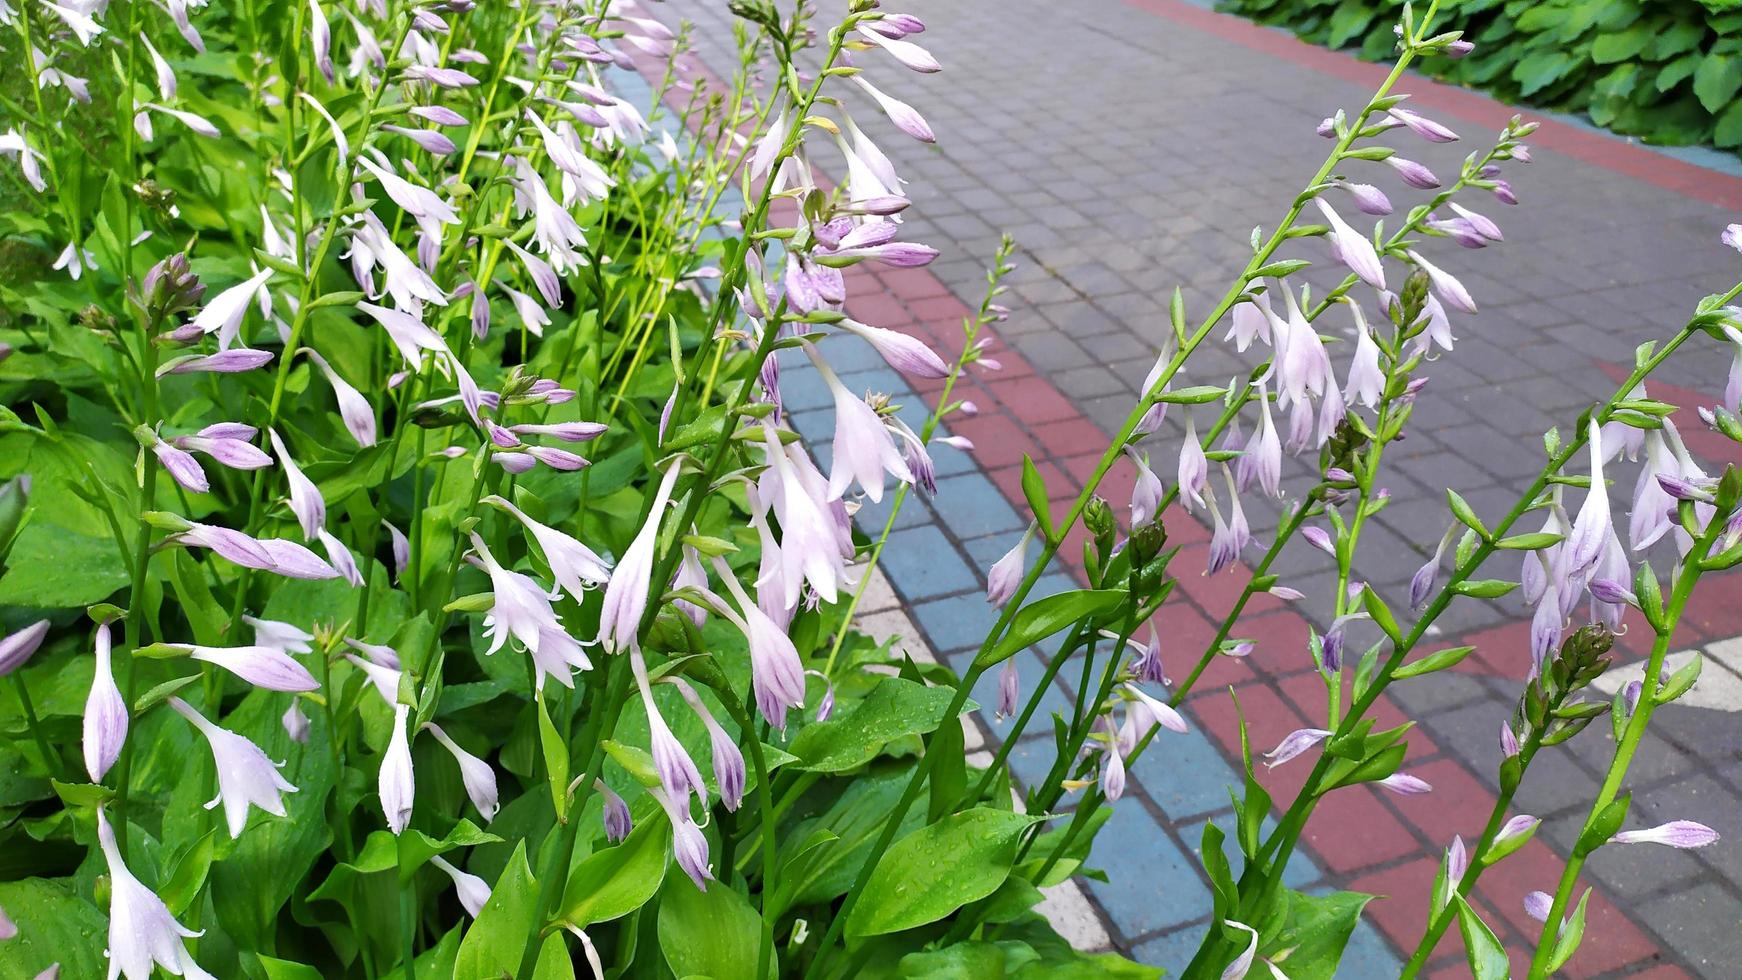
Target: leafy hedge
[(1667, 71)]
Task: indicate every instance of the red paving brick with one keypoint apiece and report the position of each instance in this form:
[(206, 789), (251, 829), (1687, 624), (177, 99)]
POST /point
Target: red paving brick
[(1351, 829)]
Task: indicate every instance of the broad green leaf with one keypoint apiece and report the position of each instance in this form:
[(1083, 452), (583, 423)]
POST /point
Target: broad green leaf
[(1716, 81), (715, 934), (1609, 49), (554, 961), (1044, 617), (615, 881), (974, 960), (492, 946), (1541, 69), (1486, 956), (814, 870), (894, 708), (55, 925), (277, 969), (937, 869), (51, 567), (1317, 928)]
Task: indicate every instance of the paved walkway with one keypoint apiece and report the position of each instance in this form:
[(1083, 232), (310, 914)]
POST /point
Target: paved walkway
[(1129, 146)]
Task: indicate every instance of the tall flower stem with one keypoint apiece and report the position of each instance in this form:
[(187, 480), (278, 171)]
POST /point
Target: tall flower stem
[(1687, 576)]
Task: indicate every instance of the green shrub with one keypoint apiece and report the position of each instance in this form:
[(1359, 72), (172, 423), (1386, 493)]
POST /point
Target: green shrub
[(1666, 71)]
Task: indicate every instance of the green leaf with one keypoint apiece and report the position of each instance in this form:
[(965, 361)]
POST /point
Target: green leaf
[(1462, 510), (1034, 491), (55, 925), (1541, 69), (277, 969), (822, 857), (1438, 660), (618, 880), (1194, 395), (1486, 956), (1680, 681), (51, 567), (1176, 315), (1279, 270), (1381, 614), (715, 934), (556, 760), (1571, 934), (1534, 541), (894, 708), (554, 962), (1044, 617), (1728, 132), (492, 945), (937, 869), (1317, 929), (1610, 49), (1716, 81)]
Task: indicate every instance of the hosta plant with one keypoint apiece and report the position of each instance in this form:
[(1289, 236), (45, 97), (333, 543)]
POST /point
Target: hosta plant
[(411, 569)]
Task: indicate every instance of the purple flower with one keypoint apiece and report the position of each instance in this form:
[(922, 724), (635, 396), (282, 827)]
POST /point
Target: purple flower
[(1319, 538), (142, 933), (689, 847), (1366, 380), (1194, 468), (626, 593), (476, 774), (864, 449), (1154, 711), (903, 352), (574, 566), (296, 724), (1450, 291), (1592, 526), (1230, 537), (394, 784), (1293, 744), (1007, 573), (401, 546), (225, 362), (106, 717), (438, 114), (1370, 199), (1412, 173), (1403, 784), (181, 466), (1112, 771), (1482, 225), (1421, 585), (340, 558), (223, 315), (565, 431), (246, 777), (728, 760), (431, 141), (1146, 492), (1538, 905), (472, 890), (900, 113), (17, 648), (266, 667), (776, 672), (230, 444), (355, 410), (1684, 834), (1009, 690), (1422, 126), (1249, 320), (1262, 459), (1458, 49), (909, 54), (614, 814), (1522, 825), (1353, 248), (305, 498)]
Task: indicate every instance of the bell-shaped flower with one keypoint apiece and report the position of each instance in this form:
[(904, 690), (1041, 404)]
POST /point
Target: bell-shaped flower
[(1422, 126), (808, 551), (1262, 459), (1249, 321), (864, 450), (181, 466), (768, 147), (143, 935), (776, 672), (1421, 584), (269, 668), (1591, 528), (671, 761), (401, 547), (614, 813), (471, 890), (106, 717), (85, 27), (1158, 712), (1006, 574), (296, 724), (1112, 769), (626, 593), (1194, 469), (423, 204), (1447, 288), (688, 845), (908, 53), (1009, 690), (1404, 784), (230, 444), (246, 777), (1354, 249), (904, 353), (575, 566), (1295, 743), (340, 558), (223, 314), (355, 410), (475, 773), (900, 113), (1366, 380), (729, 774), (383, 678), (1412, 173), (1146, 491), (522, 608), (17, 648), (395, 784), (306, 501)]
